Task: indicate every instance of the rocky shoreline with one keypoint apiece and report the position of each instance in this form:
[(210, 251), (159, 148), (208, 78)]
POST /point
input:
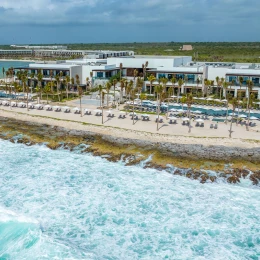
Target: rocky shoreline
[(191, 160)]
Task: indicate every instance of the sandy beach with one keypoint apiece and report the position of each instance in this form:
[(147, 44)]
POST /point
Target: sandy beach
[(141, 130)]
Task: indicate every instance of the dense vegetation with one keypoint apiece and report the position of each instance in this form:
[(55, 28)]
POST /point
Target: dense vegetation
[(204, 51)]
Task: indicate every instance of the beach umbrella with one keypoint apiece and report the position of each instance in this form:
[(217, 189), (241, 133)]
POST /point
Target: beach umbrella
[(56, 107), (21, 104), (242, 116), (172, 118), (122, 112), (197, 112), (160, 117), (172, 110), (144, 115), (132, 114), (202, 98), (76, 109), (173, 96), (253, 118), (38, 105), (185, 119), (47, 107), (199, 120), (96, 111), (209, 99), (224, 100)]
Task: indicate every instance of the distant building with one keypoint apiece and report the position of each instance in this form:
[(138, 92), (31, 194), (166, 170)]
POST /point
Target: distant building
[(187, 48)]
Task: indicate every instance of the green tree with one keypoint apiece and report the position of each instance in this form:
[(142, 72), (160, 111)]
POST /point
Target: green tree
[(180, 83), (234, 103)]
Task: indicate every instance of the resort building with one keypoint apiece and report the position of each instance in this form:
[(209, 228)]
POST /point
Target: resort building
[(100, 66)]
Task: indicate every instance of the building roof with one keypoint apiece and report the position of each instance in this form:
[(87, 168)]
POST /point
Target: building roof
[(243, 72)]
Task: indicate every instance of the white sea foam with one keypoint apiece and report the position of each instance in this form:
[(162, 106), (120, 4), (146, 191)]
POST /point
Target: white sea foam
[(89, 208)]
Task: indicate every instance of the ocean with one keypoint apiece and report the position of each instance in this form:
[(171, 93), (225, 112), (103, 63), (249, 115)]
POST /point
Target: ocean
[(9, 64), (57, 204)]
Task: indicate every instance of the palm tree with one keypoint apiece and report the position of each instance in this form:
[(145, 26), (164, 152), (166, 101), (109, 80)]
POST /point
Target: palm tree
[(102, 101), (47, 90), (87, 82), (79, 92), (25, 87), (173, 81), (122, 86), (135, 75), (67, 82), (121, 67), (189, 101), (234, 103), (114, 84), (139, 85), (108, 87), (133, 91), (39, 81), (100, 90), (250, 85), (159, 93), (32, 75), (51, 76), (217, 83), (142, 97), (180, 83), (197, 88), (151, 79), (225, 86), (16, 87)]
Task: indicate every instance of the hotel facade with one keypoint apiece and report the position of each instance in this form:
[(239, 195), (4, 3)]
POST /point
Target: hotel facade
[(99, 68)]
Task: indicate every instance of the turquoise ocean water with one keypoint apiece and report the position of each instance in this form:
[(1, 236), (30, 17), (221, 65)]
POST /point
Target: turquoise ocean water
[(68, 205), (9, 64)]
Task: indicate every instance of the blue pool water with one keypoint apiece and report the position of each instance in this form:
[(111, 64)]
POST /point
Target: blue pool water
[(68, 205)]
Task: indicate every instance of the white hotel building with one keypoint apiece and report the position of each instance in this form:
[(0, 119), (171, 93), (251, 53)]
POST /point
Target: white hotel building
[(105, 66)]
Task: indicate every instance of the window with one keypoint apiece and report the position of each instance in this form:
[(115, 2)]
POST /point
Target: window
[(99, 74), (256, 81), (161, 76)]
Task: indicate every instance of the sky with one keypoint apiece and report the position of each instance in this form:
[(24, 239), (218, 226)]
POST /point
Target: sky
[(93, 21)]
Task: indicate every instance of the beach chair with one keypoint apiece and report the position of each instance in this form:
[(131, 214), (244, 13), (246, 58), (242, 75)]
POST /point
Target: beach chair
[(202, 125), (216, 126), (197, 124), (211, 126)]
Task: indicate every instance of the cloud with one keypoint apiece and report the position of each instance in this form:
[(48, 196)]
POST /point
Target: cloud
[(135, 20), (44, 12)]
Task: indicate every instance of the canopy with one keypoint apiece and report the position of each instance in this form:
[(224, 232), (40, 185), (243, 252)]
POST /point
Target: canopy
[(172, 118), (197, 112), (132, 114)]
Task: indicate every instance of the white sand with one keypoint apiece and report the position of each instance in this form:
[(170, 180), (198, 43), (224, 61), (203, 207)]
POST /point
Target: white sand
[(141, 129)]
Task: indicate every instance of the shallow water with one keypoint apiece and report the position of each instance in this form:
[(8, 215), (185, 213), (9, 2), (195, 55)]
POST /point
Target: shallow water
[(9, 64), (67, 205)]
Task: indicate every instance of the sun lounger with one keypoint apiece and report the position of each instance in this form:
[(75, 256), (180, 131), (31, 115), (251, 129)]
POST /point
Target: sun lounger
[(202, 125), (211, 126), (197, 124), (216, 126)]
